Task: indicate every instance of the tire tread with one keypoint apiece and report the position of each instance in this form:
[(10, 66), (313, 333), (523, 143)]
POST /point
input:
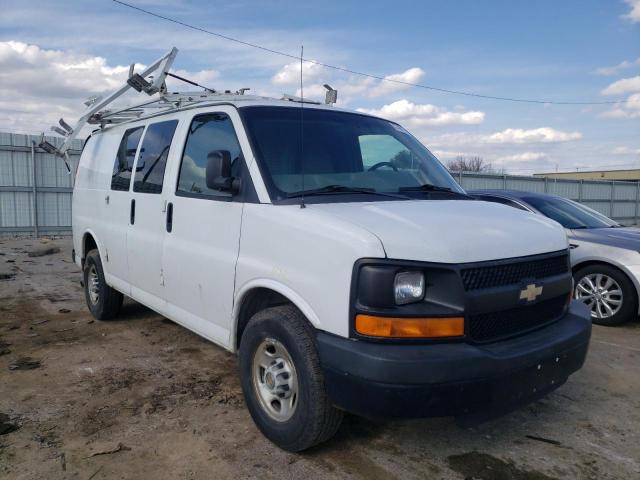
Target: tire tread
[(111, 299), (325, 420)]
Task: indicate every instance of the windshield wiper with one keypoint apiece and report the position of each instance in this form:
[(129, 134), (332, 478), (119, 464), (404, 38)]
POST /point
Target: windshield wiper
[(339, 189), (429, 187)]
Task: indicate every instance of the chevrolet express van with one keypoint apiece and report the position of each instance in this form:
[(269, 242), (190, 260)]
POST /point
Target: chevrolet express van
[(335, 254)]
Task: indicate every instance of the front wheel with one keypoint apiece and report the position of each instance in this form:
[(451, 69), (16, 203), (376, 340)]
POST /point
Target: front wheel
[(608, 292), (282, 380)]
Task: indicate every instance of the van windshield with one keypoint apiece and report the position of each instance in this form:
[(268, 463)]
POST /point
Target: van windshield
[(342, 153)]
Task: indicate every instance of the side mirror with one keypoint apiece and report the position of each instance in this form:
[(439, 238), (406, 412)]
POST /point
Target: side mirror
[(218, 172)]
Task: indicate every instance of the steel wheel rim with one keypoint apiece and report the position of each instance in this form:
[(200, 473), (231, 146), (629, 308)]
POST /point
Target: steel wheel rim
[(275, 381), (601, 293), (93, 285)]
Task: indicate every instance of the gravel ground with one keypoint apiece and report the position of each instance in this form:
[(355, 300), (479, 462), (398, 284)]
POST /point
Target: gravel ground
[(141, 397)]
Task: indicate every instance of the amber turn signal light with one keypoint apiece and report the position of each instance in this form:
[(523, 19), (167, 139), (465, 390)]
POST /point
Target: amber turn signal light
[(394, 327)]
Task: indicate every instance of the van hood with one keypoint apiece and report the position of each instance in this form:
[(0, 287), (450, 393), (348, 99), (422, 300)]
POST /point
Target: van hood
[(452, 231)]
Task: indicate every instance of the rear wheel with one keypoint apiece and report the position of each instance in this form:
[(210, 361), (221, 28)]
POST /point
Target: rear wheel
[(608, 292), (282, 380), (103, 301)]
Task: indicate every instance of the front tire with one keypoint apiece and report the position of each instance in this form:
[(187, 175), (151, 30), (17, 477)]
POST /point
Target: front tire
[(282, 380), (103, 301), (608, 292)]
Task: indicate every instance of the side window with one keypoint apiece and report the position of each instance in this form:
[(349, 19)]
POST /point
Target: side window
[(207, 133), (121, 177), (376, 149), (153, 157)]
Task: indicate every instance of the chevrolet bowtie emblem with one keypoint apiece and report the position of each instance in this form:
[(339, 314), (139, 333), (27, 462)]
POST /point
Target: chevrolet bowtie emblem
[(531, 292)]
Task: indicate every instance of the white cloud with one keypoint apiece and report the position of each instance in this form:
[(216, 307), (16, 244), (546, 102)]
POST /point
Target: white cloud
[(28, 68), (290, 73), (624, 65), (513, 149), (629, 109), (626, 151), (534, 135), (352, 87), (391, 85), (507, 138), (634, 13), (415, 115), (525, 158), (448, 154), (203, 77), (38, 86), (522, 157), (622, 86)]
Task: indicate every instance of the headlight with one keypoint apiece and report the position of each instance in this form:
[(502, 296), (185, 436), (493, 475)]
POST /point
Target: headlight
[(408, 287)]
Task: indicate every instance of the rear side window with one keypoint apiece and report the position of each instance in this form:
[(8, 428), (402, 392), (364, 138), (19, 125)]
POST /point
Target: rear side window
[(121, 177), (207, 133), (153, 157)]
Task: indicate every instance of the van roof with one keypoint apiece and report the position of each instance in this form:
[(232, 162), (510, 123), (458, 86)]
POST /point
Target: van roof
[(180, 101)]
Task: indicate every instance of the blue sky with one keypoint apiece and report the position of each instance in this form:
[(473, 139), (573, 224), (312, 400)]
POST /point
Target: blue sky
[(584, 50)]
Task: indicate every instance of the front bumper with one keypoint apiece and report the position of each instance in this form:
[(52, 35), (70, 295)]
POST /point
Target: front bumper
[(452, 379)]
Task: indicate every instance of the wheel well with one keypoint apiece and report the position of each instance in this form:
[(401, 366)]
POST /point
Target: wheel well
[(589, 263), (579, 266), (88, 244), (254, 301)]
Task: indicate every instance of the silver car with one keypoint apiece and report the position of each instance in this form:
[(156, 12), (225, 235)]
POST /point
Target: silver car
[(605, 256)]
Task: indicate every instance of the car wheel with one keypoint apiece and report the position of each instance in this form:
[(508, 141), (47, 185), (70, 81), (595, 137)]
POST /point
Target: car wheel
[(103, 301), (608, 292), (282, 381)]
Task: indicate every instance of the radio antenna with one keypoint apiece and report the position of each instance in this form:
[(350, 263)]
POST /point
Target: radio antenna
[(302, 205)]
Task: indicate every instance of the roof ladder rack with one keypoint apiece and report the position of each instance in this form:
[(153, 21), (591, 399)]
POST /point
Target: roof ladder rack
[(95, 112)]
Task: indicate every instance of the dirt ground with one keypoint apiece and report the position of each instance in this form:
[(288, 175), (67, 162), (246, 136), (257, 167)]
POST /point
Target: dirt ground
[(142, 397)]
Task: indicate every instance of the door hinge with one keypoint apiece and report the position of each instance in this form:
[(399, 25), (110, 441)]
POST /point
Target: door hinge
[(161, 278)]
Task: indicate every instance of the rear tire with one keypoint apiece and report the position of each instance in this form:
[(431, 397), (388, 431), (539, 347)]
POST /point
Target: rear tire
[(282, 381), (103, 301), (609, 293)]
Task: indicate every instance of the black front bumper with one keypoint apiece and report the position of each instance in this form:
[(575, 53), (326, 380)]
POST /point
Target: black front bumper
[(452, 379)]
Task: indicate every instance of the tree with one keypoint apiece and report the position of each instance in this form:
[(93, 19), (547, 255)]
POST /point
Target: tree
[(468, 164)]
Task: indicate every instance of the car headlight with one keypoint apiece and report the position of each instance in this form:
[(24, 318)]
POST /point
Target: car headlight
[(408, 287)]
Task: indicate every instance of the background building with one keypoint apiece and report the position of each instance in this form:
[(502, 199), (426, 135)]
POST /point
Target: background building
[(631, 175)]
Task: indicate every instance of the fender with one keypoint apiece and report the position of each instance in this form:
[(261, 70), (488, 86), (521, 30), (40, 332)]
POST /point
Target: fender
[(83, 254), (278, 287)]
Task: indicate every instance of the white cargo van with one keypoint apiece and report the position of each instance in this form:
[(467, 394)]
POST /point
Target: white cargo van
[(334, 253)]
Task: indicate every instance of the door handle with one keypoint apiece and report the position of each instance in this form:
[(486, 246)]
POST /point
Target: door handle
[(132, 214), (169, 217)]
